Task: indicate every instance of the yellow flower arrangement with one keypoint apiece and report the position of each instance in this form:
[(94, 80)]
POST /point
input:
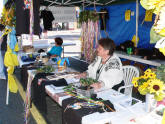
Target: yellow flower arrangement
[(148, 83)]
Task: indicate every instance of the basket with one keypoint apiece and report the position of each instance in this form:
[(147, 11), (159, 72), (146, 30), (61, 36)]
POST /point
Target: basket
[(28, 49)]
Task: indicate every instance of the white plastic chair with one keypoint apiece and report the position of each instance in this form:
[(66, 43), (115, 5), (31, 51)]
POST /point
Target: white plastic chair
[(129, 72)]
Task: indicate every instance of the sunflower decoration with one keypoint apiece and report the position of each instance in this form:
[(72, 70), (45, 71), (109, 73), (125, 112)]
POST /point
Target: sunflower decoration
[(149, 83), (8, 17), (156, 86)]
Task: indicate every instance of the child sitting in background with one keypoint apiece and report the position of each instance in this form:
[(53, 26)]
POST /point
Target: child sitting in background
[(57, 49)]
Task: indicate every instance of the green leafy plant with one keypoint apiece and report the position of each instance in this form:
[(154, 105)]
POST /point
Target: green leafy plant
[(88, 15), (160, 72), (87, 81), (45, 69)]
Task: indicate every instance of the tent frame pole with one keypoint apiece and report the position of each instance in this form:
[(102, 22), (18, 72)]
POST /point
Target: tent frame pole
[(7, 94), (137, 20)]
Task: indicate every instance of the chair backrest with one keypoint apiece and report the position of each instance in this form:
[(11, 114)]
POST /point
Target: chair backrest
[(129, 72)]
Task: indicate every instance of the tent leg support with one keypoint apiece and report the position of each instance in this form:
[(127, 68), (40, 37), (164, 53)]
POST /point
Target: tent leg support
[(7, 95)]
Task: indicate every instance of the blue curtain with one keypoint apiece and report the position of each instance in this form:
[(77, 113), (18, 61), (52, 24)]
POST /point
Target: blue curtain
[(120, 30)]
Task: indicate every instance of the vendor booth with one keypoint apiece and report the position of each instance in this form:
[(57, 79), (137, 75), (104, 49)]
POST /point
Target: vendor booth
[(139, 97)]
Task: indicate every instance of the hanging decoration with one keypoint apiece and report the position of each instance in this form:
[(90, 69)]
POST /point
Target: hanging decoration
[(27, 4), (10, 61), (154, 37), (8, 17), (88, 15), (104, 16), (134, 40), (31, 21), (89, 34), (157, 7), (127, 15), (148, 16)]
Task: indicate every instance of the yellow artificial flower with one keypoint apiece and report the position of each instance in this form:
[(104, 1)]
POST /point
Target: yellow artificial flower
[(135, 84), (148, 71), (142, 77), (145, 84), (143, 89), (135, 81), (146, 76), (152, 75), (156, 86), (159, 96), (149, 81)]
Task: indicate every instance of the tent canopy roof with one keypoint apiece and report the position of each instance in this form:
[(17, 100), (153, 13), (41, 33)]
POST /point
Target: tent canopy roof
[(80, 2)]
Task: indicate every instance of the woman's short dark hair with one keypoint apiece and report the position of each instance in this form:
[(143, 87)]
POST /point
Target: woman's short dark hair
[(59, 41), (107, 44)]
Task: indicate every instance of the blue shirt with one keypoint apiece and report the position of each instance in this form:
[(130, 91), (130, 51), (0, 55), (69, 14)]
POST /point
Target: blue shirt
[(56, 50)]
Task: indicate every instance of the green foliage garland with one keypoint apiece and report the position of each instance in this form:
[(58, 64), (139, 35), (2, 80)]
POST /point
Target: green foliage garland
[(88, 15)]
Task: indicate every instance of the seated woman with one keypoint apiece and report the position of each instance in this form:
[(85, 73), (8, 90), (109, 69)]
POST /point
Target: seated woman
[(106, 68), (57, 49)]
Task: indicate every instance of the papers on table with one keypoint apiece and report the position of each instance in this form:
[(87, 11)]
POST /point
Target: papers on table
[(98, 118), (70, 78), (57, 93), (119, 100), (53, 89)]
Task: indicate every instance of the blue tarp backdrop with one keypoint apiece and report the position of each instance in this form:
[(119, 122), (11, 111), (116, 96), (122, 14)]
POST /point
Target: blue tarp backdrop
[(120, 30)]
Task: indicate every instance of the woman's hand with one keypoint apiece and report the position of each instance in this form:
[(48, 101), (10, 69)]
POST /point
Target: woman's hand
[(81, 75), (96, 86)]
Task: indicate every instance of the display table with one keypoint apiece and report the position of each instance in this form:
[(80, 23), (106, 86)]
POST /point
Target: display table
[(42, 44), (128, 114), (139, 59)]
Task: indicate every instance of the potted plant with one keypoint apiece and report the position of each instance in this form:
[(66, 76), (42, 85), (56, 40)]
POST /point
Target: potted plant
[(85, 89)]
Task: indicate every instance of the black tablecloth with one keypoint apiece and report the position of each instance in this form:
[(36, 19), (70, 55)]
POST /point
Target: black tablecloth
[(74, 116), (38, 91)]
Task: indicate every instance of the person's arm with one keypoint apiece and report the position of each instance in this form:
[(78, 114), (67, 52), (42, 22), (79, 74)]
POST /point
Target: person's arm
[(82, 75), (97, 85)]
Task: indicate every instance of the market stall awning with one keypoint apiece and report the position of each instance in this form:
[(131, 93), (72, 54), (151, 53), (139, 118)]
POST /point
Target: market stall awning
[(79, 2)]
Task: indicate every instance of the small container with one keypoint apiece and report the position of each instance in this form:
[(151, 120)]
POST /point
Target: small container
[(86, 93), (62, 68), (129, 51)]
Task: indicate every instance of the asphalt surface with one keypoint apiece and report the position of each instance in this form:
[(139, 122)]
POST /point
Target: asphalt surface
[(13, 113)]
